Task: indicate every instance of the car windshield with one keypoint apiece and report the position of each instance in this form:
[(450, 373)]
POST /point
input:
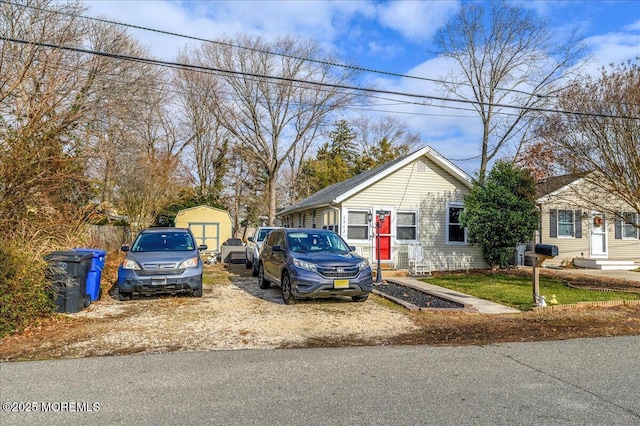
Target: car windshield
[(262, 234), (306, 242), (169, 241)]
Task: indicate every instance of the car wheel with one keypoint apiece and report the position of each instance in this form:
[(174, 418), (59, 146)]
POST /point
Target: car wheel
[(360, 298), (262, 281), (87, 300), (122, 296), (197, 293), (247, 263), (254, 272), (285, 285)]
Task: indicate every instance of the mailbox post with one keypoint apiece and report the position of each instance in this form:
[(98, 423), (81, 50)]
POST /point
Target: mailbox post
[(539, 253)]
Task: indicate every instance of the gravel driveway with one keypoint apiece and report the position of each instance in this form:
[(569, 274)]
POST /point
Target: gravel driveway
[(234, 313)]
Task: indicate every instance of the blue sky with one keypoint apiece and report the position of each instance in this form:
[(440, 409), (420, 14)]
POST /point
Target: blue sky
[(393, 36)]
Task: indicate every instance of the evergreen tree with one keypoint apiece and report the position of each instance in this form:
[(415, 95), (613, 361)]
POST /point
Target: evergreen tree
[(500, 212)]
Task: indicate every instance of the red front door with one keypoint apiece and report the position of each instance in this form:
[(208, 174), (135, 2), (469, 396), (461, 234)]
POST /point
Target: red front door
[(384, 234)]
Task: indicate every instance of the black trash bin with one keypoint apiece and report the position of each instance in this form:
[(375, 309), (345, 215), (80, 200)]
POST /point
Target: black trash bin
[(68, 271)]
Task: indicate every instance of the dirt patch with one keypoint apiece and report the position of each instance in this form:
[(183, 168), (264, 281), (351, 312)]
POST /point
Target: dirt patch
[(235, 313)]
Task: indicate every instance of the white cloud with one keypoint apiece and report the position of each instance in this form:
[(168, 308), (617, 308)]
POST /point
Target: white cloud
[(416, 20), (633, 27), (612, 48), (319, 20)]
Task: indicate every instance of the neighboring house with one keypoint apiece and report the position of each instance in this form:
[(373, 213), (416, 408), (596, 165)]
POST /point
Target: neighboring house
[(210, 226), (421, 196), (585, 235)]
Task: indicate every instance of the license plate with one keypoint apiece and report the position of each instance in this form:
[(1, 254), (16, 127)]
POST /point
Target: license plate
[(158, 281), (341, 284)]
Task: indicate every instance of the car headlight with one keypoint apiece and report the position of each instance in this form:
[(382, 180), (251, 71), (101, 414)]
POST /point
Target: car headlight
[(305, 265), (363, 265), (130, 264), (189, 263)]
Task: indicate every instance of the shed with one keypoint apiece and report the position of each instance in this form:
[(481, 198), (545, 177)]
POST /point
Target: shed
[(210, 225)]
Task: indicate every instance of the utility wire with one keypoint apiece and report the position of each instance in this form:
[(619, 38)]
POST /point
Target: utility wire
[(333, 64), (308, 82)]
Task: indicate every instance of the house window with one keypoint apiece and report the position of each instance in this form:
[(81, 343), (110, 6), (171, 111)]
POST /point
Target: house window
[(407, 226), (329, 221), (629, 226), (357, 225), (565, 223), (455, 231)]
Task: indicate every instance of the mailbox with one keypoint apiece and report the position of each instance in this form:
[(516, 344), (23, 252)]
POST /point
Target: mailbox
[(547, 250)]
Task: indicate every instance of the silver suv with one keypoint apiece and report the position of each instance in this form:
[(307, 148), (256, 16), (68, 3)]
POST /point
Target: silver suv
[(253, 247)]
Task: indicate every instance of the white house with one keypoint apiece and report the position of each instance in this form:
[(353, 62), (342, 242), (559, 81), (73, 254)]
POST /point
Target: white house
[(420, 196)]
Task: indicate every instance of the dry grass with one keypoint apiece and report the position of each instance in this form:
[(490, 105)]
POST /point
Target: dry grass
[(235, 314)]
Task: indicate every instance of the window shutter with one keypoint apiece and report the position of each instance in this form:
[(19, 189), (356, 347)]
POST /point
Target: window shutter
[(577, 214), (553, 223), (618, 229)]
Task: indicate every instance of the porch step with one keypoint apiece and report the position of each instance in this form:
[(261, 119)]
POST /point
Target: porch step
[(606, 265)]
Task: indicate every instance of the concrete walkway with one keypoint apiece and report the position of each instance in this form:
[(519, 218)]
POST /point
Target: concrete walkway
[(481, 305)]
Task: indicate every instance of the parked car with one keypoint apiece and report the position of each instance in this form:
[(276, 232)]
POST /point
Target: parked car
[(253, 247), (161, 260), (312, 263)]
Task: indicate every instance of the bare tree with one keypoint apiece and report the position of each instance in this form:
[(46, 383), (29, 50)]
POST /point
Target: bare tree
[(602, 141), (208, 141), (382, 139), (152, 173), (509, 64), (46, 94), (271, 104)]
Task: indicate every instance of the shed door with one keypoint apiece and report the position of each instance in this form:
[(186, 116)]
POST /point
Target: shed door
[(207, 233)]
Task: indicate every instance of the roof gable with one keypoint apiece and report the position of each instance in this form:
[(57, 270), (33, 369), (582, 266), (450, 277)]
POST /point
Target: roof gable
[(556, 184), (340, 191)]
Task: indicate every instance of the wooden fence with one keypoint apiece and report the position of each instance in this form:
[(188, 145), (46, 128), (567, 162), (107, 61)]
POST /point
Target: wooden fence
[(109, 238)]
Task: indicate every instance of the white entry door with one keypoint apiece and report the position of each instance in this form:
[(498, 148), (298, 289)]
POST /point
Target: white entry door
[(598, 235)]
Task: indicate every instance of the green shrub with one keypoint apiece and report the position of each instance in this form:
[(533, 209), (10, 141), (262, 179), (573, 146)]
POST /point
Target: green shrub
[(500, 212), (25, 295)]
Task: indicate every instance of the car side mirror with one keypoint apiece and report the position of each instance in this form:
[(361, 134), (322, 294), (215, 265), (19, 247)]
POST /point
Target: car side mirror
[(277, 248), (352, 248), (124, 247), (202, 247), (250, 239)]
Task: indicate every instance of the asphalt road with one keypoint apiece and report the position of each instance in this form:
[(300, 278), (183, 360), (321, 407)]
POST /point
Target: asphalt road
[(585, 382)]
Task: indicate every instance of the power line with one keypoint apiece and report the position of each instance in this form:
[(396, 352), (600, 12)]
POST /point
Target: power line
[(201, 68), (333, 64)]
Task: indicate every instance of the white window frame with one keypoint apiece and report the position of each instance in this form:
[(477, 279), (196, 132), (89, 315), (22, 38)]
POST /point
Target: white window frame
[(416, 225), (329, 221), (626, 225), (451, 205), (367, 224), (573, 223)]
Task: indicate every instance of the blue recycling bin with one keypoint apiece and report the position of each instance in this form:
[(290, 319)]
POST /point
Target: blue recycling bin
[(95, 273)]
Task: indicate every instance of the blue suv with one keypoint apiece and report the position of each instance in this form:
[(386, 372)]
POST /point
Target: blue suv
[(161, 260), (312, 263)]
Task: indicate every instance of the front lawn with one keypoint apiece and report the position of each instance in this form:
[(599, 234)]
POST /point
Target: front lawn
[(517, 290)]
